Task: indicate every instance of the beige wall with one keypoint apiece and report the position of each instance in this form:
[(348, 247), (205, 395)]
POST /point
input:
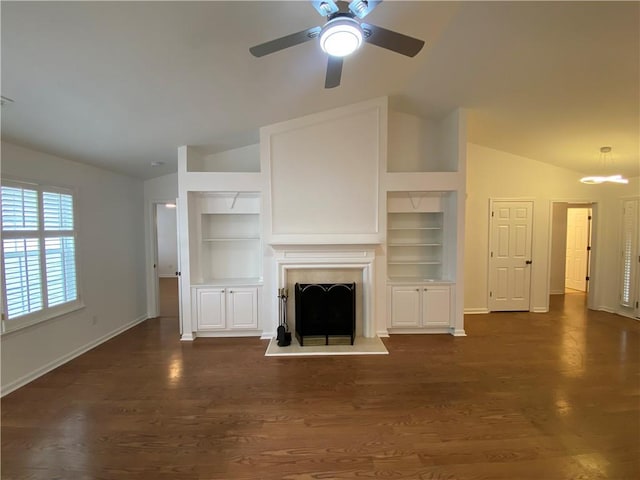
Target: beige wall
[(492, 174)]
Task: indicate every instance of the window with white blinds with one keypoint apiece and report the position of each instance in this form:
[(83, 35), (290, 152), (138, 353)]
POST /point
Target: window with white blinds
[(38, 252), (629, 253)]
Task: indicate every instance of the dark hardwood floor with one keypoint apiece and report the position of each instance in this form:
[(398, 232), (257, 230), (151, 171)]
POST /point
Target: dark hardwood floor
[(524, 396), (168, 296)]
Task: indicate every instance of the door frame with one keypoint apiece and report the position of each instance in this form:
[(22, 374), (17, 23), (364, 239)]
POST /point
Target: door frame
[(593, 253), (586, 277), (492, 201), (153, 300)]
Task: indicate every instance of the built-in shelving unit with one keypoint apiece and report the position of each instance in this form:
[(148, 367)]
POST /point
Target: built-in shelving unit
[(415, 246), (229, 238), (415, 236), (249, 214)]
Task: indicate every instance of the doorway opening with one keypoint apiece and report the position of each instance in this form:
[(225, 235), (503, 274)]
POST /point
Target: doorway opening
[(571, 257), (166, 261)]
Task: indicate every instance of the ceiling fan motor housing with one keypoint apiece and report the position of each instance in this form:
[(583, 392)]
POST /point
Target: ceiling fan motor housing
[(341, 35)]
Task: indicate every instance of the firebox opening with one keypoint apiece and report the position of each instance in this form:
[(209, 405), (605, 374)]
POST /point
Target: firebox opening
[(325, 313)]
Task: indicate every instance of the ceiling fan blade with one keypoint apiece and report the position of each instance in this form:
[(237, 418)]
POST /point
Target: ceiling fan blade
[(391, 40), (284, 42), (334, 72), (362, 8), (325, 7)]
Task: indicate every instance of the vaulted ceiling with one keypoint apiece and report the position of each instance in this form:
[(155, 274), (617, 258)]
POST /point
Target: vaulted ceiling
[(123, 84)]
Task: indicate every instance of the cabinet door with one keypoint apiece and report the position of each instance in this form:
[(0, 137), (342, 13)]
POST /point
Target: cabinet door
[(405, 306), (211, 309), (436, 305), (242, 308)]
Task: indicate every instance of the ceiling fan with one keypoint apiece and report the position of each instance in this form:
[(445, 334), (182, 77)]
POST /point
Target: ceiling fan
[(342, 34)]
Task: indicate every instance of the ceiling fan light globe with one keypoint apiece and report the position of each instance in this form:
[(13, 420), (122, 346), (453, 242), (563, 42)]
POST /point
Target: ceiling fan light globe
[(340, 37), (593, 180)]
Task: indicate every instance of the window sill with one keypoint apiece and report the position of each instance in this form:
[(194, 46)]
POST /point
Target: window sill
[(21, 323)]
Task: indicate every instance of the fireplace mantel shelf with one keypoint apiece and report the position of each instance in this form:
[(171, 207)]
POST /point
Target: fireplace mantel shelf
[(333, 240), (298, 246)]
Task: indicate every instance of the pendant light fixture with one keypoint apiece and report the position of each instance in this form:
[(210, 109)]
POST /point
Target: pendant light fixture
[(605, 160)]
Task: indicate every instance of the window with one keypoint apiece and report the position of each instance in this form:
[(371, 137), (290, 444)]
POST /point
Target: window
[(629, 253), (38, 253)]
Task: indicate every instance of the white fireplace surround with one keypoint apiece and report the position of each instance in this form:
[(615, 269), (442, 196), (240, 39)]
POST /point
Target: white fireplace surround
[(356, 257)]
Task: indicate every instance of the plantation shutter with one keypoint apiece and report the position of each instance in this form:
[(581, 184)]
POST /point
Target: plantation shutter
[(19, 209), (59, 248), (21, 255), (22, 276), (629, 252)]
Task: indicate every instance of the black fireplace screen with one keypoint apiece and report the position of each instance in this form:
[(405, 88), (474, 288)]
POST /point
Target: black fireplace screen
[(325, 311)]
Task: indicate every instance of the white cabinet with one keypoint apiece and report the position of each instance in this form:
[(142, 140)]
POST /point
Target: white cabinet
[(420, 306), (242, 308), (210, 308), (226, 308)]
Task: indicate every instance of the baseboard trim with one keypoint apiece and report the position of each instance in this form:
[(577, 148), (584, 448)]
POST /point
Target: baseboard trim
[(421, 331), (540, 310), (621, 312), (229, 334), (476, 311), (30, 377), (602, 308)]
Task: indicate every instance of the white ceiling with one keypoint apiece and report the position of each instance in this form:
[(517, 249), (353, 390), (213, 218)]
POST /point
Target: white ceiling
[(123, 84)]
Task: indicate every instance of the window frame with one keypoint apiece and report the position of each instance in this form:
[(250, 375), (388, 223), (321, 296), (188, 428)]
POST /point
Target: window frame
[(629, 254), (45, 313)]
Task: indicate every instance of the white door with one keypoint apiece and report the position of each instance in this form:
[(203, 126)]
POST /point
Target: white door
[(577, 243), (242, 307), (211, 308), (436, 306), (405, 306), (510, 255)]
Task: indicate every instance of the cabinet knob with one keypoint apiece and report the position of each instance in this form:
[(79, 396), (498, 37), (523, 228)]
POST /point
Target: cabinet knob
[(230, 291), (417, 289)]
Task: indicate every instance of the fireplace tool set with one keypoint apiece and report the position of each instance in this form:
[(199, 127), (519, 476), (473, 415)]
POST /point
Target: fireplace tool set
[(283, 333)]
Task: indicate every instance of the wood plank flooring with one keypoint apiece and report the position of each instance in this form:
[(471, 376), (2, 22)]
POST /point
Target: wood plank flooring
[(168, 296), (524, 396)]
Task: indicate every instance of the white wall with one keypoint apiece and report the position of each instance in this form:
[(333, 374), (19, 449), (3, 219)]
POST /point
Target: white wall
[(243, 159), (492, 174), (110, 264), (320, 185), (558, 248)]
